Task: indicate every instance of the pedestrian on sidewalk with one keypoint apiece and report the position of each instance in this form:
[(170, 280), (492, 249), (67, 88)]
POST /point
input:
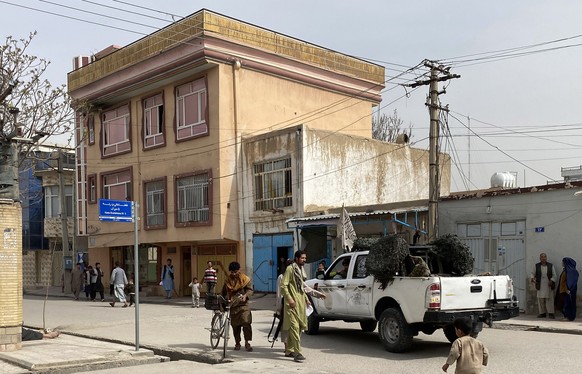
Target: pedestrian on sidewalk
[(87, 281), (76, 280), (98, 282), (168, 278), (238, 288), (119, 280), (130, 289), (567, 289), (544, 278), (195, 286), (469, 353), (210, 278), (93, 283)]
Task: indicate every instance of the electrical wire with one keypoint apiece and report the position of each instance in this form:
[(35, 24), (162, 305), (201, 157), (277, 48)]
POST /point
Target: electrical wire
[(500, 150)]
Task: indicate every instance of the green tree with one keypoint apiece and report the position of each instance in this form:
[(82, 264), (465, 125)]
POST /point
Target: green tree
[(388, 127)]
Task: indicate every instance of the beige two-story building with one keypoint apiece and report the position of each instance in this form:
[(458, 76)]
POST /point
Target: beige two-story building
[(160, 122)]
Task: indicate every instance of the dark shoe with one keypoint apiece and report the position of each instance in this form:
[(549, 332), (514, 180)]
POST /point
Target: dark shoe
[(248, 347), (298, 357), (237, 347), (112, 304), (289, 354), (102, 300), (542, 315), (551, 316)]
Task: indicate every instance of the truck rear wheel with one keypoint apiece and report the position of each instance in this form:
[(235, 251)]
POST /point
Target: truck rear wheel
[(394, 331), (312, 324), (368, 325), (450, 332)]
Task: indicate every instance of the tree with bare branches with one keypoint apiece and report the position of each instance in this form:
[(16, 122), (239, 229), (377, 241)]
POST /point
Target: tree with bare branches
[(31, 110), (388, 127), (30, 107)]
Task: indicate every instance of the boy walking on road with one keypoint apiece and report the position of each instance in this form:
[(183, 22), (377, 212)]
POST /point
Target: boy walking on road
[(470, 354)]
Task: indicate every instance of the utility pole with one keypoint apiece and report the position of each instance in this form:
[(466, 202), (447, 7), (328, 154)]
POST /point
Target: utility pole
[(438, 73)]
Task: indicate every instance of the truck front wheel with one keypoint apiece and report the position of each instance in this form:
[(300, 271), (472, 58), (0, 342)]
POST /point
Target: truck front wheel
[(394, 331), (368, 325), (312, 324)]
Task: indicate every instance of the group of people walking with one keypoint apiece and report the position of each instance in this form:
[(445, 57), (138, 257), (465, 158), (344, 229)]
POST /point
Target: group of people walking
[(556, 292), (90, 280)]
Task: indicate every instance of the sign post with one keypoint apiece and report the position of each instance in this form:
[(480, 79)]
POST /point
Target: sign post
[(125, 211)]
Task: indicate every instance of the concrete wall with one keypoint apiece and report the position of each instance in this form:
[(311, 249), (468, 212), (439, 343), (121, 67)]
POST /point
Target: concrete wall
[(355, 171)]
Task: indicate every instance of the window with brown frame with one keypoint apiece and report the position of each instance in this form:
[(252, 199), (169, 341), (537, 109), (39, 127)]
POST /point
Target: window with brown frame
[(156, 203), (116, 185), (92, 189), (91, 129), (115, 131), (193, 199), (191, 105), (153, 121)]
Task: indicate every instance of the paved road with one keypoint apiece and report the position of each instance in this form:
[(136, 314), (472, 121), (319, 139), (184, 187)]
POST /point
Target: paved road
[(339, 348)]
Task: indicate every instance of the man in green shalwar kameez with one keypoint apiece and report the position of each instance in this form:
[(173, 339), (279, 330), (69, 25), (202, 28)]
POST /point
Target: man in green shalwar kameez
[(295, 303)]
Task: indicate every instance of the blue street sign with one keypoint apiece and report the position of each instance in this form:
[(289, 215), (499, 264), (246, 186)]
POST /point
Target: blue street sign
[(115, 210), (540, 229)]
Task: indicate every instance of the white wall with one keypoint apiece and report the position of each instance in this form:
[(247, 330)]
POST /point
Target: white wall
[(351, 170), (557, 211)]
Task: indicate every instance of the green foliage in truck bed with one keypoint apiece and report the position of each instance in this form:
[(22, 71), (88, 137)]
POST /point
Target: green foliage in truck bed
[(454, 256), (386, 259)]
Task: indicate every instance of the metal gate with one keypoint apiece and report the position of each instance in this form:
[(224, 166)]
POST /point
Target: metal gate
[(267, 253), (497, 253)]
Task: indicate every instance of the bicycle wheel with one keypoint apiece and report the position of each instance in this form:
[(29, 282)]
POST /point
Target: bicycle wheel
[(226, 332), (216, 329)]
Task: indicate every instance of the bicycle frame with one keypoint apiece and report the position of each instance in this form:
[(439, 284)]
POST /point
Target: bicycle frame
[(220, 325)]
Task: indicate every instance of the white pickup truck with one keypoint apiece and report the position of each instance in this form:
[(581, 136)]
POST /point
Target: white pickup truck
[(408, 305)]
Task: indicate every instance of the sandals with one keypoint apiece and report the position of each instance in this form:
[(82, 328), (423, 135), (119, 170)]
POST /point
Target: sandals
[(248, 347)]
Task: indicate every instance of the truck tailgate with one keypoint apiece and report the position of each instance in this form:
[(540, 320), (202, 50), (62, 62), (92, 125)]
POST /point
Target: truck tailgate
[(473, 292)]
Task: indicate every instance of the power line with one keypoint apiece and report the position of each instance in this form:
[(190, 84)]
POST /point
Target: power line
[(70, 17), (150, 9), (502, 151), (500, 52), (125, 10)]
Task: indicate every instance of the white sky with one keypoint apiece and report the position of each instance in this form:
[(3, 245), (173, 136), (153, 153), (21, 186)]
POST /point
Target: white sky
[(529, 107)]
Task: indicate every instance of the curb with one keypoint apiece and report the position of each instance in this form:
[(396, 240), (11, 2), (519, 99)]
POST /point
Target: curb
[(523, 327)]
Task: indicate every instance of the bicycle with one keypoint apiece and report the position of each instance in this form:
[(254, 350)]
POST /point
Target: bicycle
[(220, 325)]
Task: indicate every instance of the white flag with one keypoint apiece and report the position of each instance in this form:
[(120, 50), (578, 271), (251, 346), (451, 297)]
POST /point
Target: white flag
[(346, 231)]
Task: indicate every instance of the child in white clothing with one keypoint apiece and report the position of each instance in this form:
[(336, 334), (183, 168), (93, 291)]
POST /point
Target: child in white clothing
[(195, 286)]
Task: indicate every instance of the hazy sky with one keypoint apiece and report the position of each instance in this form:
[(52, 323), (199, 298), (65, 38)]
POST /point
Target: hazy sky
[(525, 112)]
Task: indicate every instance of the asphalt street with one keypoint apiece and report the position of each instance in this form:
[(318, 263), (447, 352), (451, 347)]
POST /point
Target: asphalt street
[(174, 329)]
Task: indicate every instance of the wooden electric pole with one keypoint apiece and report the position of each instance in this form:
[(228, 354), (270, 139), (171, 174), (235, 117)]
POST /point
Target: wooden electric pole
[(437, 74)]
